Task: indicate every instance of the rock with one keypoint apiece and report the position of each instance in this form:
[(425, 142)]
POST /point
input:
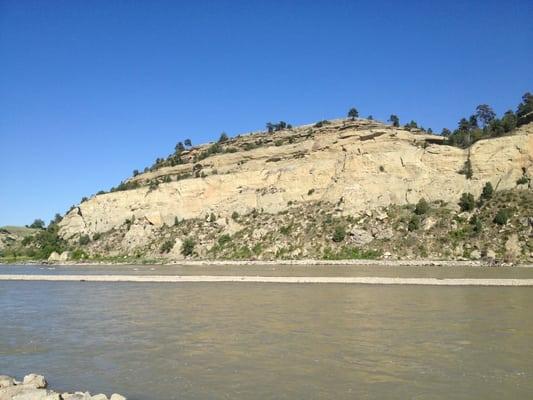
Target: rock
[(429, 223), (6, 381), (54, 256), (360, 237), (65, 256), (491, 254), (99, 397), (512, 246), (23, 392), (34, 380), (383, 233), (116, 396), (475, 254)]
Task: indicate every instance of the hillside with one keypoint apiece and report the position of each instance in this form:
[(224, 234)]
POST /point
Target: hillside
[(336, 189)]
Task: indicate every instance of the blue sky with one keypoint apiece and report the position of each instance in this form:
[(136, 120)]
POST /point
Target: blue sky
[(90, 90)]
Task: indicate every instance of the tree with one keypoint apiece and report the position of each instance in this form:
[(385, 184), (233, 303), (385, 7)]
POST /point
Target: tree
[(223, 137), (524, 113), (509, 121), (487, 192), (270, 127), (57, 219), (370, 118), (37, 224), (394, 120), (446, 132), (421, 207), (502, 216), (467, 202), (179, 148), (187, 142), (135, 172), (187, 248), (485, 114), (353, 113)]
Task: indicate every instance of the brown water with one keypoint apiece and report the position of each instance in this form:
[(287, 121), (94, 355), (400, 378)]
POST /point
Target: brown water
[(270, 341)]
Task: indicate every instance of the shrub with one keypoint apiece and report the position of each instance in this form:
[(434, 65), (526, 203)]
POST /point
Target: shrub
[(467, 202), (421, 207), (84, 240), (234, 215), (278, 142), (502, 216), (223, 239), (475, 221), (487, 192), (167, 246), (339, 234), (187, 248), (381, 168), (353, 114), (414, 223), (310, 192), (467, 169), (522, 180), (97, 236)]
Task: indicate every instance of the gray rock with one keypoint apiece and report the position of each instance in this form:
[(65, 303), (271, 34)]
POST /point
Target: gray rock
[(360, 237), (34, 380), (6, 381), (475, 254)]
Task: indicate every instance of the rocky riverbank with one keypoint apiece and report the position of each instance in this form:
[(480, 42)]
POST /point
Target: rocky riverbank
[(34, 387)]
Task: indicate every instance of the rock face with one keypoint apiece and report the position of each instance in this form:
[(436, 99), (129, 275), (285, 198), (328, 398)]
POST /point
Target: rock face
[(360, 165)]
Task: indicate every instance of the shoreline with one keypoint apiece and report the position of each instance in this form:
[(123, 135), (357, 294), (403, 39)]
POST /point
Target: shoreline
[(369, 280), (308, 262)]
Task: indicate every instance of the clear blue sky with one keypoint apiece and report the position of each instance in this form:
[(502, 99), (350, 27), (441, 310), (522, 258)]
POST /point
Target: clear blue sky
[(90, 90)]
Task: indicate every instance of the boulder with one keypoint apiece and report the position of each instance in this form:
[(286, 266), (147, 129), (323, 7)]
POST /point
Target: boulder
[(99, 397), (6, 381), (65, 256), (54, 256), (116, 396), (512, 246), (360, 237), (475, 254), (34, 380)]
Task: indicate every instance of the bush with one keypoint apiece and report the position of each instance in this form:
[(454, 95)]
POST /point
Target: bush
[(84, 240), (234, 215), (381, 168), (167, 246), (414, 223), (187, 248), (522, 180), (421, 207), (37, 224), (467, 202), (502, 216), (339, 233), (475, 221), (310, 192), (223, 239), (467, 169), (97, 236), (487, 192)]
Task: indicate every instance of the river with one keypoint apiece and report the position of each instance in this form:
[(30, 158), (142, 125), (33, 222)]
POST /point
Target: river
[(271, 341)]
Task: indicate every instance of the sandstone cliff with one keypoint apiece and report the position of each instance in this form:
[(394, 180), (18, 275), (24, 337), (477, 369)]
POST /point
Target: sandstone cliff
[(355, 165)]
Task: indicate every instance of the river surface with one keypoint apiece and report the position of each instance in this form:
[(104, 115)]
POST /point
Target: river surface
[(271, 341)]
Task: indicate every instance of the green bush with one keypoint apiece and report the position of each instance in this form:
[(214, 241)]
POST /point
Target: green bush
[(84, 240), (421, 207), (339, 233), (414, 223), (487, 192), (467, 202), (234, 215), (167, 246), (522, 180), (97, 236), (223, 239), (502, 216), (187, 248)]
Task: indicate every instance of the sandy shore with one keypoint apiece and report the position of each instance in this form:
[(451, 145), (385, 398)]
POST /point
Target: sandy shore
[(270, 279)]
